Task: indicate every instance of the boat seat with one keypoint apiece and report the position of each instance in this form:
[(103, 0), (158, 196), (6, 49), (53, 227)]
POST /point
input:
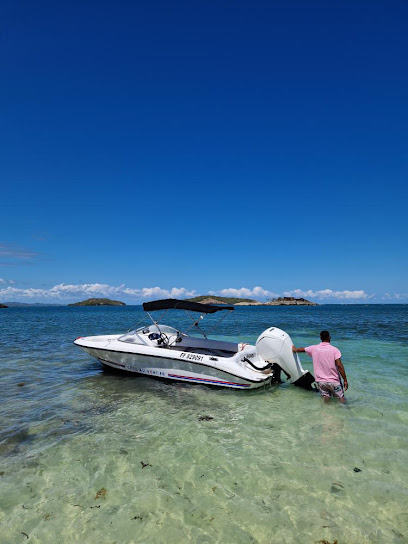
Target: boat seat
[(189, 342)]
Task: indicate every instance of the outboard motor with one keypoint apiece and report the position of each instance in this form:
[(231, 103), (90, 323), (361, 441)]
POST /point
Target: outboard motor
[(275, 346)]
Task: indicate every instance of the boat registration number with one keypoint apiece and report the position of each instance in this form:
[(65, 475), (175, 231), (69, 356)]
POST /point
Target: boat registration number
[(191, 356)]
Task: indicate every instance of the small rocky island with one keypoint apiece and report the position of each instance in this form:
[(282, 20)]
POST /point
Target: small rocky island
[(98, 302), (291, 301), (280, 301), (3, 306)]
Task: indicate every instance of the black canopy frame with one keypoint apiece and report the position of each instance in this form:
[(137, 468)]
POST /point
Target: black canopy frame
[(187, 306)]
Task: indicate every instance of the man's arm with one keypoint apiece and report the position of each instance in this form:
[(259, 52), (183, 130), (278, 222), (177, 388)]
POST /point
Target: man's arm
[(340, 367), (298, 350)]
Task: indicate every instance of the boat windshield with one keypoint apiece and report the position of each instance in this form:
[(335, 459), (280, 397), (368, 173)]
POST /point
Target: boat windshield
[(156, 328), (136, 336)]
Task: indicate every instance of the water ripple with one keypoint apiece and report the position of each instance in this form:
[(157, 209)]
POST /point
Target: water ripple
[(96, 457)]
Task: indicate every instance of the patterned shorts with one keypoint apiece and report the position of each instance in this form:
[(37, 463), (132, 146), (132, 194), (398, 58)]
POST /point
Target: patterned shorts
[(328, 389)]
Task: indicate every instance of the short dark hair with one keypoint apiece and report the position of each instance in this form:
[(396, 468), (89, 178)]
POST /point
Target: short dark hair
[(324, 336)]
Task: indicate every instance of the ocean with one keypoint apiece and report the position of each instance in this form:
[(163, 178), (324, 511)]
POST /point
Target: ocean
[(93, 457)]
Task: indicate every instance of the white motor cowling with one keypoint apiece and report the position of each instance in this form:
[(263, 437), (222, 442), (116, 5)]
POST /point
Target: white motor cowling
[(275, 346)]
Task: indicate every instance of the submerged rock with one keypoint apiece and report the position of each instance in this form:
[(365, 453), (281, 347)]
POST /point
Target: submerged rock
[(101, 494)]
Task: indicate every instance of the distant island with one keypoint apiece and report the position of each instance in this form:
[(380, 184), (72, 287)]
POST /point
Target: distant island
[(280, 301), (3, 306), (291, 301), (98, 302), (29, 304)]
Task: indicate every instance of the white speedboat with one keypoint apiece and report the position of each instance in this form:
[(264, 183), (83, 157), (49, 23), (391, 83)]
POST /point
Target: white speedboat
[(162, 351)]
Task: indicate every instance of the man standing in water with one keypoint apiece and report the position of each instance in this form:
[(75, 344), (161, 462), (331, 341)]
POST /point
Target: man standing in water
[(327, 367)]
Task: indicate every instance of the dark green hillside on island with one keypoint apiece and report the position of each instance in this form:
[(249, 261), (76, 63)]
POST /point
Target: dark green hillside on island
[(3, 306), (212, 299), (98, 302)]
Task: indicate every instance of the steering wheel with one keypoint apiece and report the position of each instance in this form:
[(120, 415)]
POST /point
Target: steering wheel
[(163, 340)]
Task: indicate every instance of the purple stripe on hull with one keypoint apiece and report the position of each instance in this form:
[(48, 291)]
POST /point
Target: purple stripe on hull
[(205, 380)]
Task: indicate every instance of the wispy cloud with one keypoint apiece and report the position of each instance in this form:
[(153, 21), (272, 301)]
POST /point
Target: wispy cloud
[(6, 282), (395, 296), (12, 255)]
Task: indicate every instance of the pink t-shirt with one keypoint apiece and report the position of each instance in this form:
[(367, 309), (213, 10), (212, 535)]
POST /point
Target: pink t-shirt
[(324, 366)]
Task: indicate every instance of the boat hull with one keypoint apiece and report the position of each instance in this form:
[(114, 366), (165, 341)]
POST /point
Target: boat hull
[(175, 369)]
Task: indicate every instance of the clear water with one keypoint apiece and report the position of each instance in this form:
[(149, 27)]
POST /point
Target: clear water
[(87, 456)]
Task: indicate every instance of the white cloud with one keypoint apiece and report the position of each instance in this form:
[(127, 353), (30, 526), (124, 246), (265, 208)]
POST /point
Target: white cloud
[(73, 292), (157, 292), (260, 293), (244, 292), (328, 294), (64, 292)]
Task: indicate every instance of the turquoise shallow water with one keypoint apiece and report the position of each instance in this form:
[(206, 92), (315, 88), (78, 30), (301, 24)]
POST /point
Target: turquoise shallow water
[(87, 456)]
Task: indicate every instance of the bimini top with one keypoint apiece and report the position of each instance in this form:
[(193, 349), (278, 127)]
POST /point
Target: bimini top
[(169, 303)]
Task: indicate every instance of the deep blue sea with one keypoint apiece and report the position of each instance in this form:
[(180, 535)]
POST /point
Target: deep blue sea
[(92, 457)]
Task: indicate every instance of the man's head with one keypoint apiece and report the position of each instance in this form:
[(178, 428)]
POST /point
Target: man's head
[(325, 336)]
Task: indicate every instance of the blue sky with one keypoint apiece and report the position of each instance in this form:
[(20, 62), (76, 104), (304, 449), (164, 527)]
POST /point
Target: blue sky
[(170, 148)]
